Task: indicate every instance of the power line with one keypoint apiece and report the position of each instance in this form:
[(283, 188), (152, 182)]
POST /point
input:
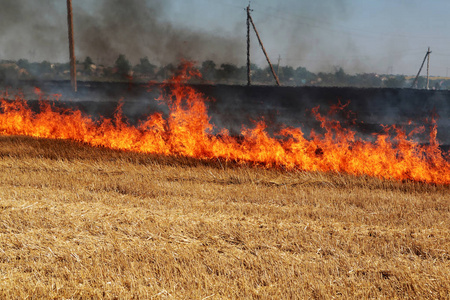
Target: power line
[(325, 25)]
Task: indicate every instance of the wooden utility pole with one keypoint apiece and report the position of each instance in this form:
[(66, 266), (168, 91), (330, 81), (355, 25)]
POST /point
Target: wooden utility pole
[(248, 45), (423, 62), (73, 70), (264, 50), (428, 69)]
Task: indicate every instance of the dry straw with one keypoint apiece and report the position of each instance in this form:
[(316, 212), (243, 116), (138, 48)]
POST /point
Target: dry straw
[(78, 222)]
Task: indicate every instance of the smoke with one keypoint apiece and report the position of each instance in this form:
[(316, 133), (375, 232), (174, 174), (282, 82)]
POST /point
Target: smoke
[(318, 35), (104, 29), (306, 28), (31, 28), (137, 30)]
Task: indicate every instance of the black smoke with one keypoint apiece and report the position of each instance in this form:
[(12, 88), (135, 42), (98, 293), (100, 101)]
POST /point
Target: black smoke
[(103, 29)]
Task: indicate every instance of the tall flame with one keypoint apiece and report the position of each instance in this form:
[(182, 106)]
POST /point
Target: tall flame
[(188, 132)]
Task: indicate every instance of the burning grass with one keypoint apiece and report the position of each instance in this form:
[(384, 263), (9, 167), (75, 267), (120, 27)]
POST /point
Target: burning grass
[(187, 131), (84, 222)]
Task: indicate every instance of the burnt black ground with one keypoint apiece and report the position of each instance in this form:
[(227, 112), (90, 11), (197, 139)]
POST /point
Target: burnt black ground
[(235, 106)]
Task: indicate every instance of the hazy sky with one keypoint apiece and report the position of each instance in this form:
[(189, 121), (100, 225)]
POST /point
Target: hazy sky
[(384, 36)]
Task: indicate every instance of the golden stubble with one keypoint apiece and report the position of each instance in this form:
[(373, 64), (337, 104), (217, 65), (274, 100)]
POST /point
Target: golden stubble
[(82, 222)]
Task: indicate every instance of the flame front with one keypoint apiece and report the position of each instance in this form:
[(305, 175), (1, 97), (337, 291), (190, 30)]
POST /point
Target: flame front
[(188, 132)]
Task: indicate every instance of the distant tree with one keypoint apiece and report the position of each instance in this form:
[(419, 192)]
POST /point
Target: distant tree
[(208, 70), (46, 66), (396, 81), (253, 67), (365, 80), (23, 64), (123, 66), (145, 67), (286, 73), (228, 72), (8, 75), (61, 68), (254, 70), (242, 74), (87, 62), (303, 76), (421, 82), (326, 79), (87, 65), (340, 77), (38, 69), (166, 72), (262, 75), (268, 75)]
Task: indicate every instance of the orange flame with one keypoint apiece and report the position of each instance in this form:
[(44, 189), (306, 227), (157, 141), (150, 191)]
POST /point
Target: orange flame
[(188, 132), (37, 91)]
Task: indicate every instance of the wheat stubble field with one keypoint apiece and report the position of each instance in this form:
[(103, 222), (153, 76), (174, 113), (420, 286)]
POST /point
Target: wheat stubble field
[(81, 222)]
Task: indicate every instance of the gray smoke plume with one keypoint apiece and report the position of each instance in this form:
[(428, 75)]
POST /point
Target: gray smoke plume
[(103, 29), (137, 29), (30, 29), (306, 28), (313, 34)]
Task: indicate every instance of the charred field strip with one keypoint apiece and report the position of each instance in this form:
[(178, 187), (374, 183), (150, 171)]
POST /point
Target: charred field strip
[(367, 109)]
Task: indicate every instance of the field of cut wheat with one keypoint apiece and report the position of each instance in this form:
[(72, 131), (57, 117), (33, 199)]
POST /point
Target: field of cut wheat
[(84, 222)]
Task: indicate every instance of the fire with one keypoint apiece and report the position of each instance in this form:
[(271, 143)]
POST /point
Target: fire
[(188, 132)]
